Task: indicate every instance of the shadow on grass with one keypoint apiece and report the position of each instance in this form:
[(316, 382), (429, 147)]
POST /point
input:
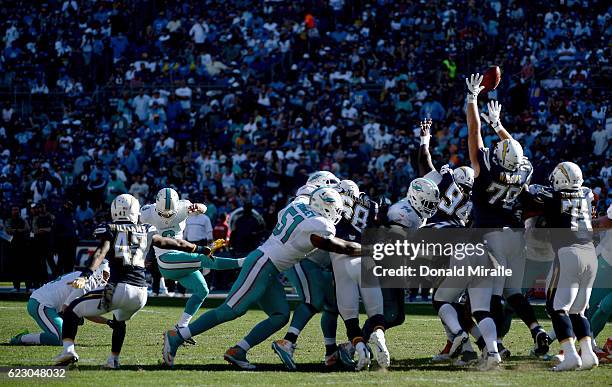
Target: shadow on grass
[(302, 367)]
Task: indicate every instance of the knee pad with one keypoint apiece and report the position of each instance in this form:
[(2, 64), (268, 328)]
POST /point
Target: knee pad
[(562, 324), (580, 325), (480, 315)]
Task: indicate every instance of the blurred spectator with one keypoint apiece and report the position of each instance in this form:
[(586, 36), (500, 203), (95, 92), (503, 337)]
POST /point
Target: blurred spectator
[(198, 230), (19, 229)]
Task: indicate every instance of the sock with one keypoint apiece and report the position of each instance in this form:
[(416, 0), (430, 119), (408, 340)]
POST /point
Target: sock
[(68, 346), (586, 345), (489, 334), (185, 319), (448, 314), (185, 332), (292, 337), (113, 357), (552, 335), (31, 338), (244, 345), (329, 340), (330, 348), (568, 346)]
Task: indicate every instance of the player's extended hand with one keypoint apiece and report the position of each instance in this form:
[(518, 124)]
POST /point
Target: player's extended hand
[(425, 126), (78, 283), (492, 116), (217, 244), (473, 85), (197, 208)]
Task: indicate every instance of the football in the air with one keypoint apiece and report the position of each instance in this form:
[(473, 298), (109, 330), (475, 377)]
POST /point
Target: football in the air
[(491, 78)]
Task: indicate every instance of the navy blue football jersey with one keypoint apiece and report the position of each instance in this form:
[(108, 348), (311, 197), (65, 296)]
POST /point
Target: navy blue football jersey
[(364, 215), (495, 192), (129, 244), (455, 206), (568, 210)]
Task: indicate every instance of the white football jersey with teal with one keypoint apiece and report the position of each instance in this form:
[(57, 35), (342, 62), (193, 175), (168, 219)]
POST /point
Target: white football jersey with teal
[(171, 227), (290, 239), (56, 293), (403, 214)]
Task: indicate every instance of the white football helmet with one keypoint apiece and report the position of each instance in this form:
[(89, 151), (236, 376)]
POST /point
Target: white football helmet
[(322, 178), (349, 191), (566, 176), (327, 202), (464, 176), (424, 196), (166, 202), (125, 207), (509, 154)]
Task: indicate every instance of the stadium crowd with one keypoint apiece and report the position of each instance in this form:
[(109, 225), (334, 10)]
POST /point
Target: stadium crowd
[(232, 103)]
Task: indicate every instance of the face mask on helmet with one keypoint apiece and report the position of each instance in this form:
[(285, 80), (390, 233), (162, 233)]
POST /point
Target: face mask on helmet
[(566, 176), (424, 196), (166, 202), (509, 154), (464, 177), (327, 202)]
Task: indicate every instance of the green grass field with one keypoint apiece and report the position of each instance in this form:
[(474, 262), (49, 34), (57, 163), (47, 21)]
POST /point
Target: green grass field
[(411, 347)]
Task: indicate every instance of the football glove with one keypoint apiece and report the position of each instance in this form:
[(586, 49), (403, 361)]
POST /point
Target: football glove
[(474, 88), (217, 244), (492, 117), (78, 283)]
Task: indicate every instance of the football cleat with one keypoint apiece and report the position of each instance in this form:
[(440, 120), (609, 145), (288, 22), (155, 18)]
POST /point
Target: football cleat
[(346, 352), (363, 355), (16, 340), (112, 363), (589, 360), (490, 362), (457, 343), (504, 352), (603, 356), (571, 361), (558, 358), (541, 341), (66, 358), (331, 360), (444, 354), (379, 345), (186, 342), (466, 358), (172, 340), (284, 349), (237, 356), (608, 346)]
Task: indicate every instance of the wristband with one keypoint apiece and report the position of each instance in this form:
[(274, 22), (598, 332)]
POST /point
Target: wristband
[(496, 126), (86, 273), (472, 98), (425, 140)]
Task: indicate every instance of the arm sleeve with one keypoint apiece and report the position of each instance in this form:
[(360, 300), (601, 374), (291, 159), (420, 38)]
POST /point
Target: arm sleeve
[(434, 176), (484, 159)]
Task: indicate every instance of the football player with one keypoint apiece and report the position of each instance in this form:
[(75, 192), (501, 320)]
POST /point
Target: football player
[(47, 304), (124, 243), (566, 204), (168, 215), (359, 212), (501, 243), (453, 211), (498, 180), (300, 229), (313, 281)]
